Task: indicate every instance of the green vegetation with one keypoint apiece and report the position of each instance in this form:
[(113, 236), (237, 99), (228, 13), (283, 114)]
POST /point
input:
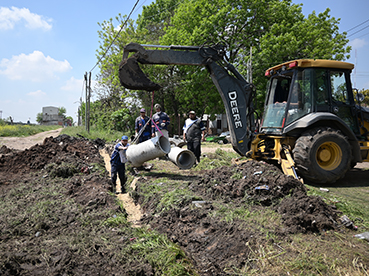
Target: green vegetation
[(352, 201), (95, 133), (48, 204), (23, 130), (277, 31), (333, 252), (217, 159), (42, 209)]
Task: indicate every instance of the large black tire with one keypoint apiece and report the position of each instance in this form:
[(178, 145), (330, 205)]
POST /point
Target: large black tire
[(322, 155)]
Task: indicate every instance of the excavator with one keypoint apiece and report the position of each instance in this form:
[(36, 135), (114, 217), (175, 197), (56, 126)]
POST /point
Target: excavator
[(311, 126)]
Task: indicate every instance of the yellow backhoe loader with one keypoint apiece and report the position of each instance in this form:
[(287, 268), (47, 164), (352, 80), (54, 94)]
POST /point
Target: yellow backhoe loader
[(311, 125)]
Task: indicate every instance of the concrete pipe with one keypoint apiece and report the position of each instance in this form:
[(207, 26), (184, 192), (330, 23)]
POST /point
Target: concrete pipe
[(183, 158), (148, 150)]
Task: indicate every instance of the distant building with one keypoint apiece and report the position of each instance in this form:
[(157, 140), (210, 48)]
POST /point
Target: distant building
[(216, 126), (50, 116)]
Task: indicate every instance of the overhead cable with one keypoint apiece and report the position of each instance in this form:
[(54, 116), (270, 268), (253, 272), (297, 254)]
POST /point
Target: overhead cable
[(358, 31), (357, 26), (121, 28)]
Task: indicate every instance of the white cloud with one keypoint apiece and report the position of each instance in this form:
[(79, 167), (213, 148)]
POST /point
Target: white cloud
[(9, 17), (38, 93), (73, 85), (358, 43), (34, 67)]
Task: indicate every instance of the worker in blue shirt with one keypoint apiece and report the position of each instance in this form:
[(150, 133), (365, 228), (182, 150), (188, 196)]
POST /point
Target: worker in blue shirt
[(118, 166), (142, 123), (161, 121)]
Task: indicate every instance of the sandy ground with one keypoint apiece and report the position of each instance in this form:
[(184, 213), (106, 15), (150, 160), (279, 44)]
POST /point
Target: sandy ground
[(22, 143), (133, 210)]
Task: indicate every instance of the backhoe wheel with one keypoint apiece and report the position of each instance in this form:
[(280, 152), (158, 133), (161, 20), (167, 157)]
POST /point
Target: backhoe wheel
[(322, 155)]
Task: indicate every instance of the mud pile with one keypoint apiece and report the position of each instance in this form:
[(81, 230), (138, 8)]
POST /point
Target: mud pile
[(216, 245), (52, 211), (266, 185), (62, 149)]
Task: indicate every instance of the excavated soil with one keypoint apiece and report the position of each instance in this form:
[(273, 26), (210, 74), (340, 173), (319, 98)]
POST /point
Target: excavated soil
[(213, 245)]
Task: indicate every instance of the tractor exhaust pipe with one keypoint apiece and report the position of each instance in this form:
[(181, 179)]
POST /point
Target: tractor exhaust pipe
[(183, 158), (148, 150)]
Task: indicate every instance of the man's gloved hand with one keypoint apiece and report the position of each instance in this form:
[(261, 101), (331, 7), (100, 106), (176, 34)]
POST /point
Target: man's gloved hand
[(136, 134), (162, 124), (120, 147)]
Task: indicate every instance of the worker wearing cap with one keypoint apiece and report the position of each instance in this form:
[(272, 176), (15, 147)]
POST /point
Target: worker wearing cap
[(161, 121), (143, 126), (194, 133), (118, 162)]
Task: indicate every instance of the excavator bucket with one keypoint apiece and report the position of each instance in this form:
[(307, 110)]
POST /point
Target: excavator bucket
[(132, 77)]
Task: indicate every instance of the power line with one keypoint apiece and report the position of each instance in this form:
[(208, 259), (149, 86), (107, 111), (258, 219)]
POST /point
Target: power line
[(358, 31), (121, 28), (357, 26), (362, 35), (163, 10)]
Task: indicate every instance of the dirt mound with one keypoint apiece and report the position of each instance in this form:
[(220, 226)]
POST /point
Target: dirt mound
[(216, 245), (264, 184), (69, 199), (4, 150), (62, 149), (51, 220)]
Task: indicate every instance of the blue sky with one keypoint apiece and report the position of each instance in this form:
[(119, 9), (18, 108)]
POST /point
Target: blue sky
[(47, 46)]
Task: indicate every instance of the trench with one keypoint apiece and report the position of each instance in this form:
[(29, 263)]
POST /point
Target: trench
[(133, 210)]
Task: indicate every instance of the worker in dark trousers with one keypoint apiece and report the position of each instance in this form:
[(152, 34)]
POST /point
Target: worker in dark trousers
[(118, 166), (142, 123), (193, 134)]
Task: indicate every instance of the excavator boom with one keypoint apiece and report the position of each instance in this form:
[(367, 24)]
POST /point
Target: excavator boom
[(235, 91)]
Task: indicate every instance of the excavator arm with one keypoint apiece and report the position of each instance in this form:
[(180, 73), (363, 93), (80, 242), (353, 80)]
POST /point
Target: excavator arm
[(235, 91)]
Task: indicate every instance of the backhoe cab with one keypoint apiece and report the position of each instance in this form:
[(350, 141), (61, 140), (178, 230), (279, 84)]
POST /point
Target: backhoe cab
[(311, 125), (310, 111)]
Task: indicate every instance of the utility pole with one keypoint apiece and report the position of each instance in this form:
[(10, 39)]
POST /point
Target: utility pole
[(86, 105), (89, 98)]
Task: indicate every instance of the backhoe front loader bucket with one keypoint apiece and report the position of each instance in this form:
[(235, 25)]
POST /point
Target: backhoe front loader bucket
[(132, 77)]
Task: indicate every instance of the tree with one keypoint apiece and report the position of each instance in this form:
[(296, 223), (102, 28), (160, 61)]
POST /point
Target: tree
[(365, 92), (62, 111), (70, 119), (275, 30), (39, 117)]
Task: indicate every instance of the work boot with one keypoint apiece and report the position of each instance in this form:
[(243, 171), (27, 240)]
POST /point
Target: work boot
[(123, 189), (113, 189)]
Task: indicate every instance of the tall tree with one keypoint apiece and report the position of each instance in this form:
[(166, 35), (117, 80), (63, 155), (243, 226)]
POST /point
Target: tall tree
[(275, 30)]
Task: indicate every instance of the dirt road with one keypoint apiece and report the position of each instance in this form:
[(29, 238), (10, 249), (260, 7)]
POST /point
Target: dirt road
[(22, 143)]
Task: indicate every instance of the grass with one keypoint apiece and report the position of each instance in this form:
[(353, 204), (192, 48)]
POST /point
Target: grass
[(215, 160), (161, 253), (93, 134), (327, 253), (49, 213), (23, 130), (352, 201)]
